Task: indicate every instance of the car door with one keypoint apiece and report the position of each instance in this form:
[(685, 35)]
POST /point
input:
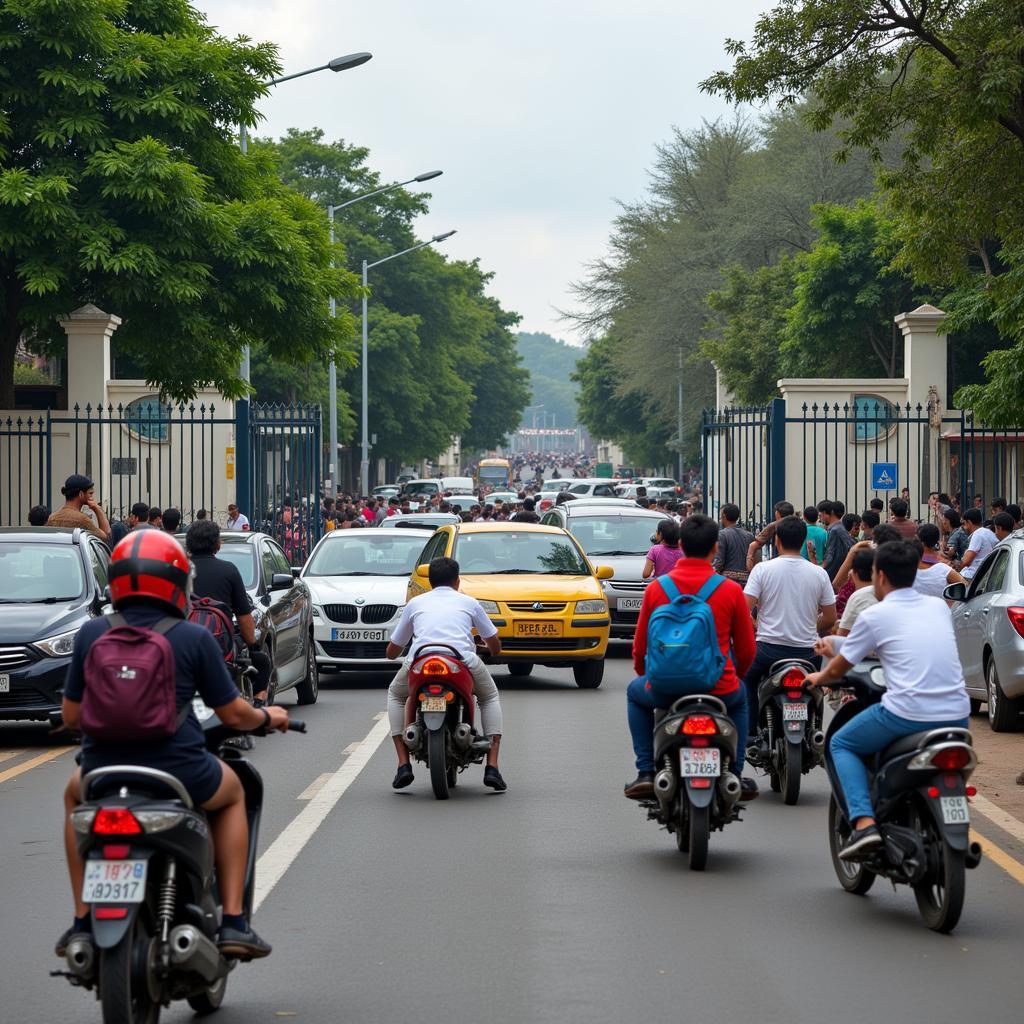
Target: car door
[(293, 616), (992, 603), (99, 562), (434, 548), (968, 624)]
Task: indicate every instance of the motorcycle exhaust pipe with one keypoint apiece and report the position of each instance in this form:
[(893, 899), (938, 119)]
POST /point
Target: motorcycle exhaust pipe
[(973, 856), (818, 741), (81, 958), (193, 952), (482, 745), (413, 736), (462, 736), (729, 788), (665, 784)]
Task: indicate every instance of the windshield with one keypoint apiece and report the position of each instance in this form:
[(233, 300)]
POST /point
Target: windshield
[(614, 535), (493, 475), (394, 555), (422, 487), (515, 552), (40, 573), (240, 556)]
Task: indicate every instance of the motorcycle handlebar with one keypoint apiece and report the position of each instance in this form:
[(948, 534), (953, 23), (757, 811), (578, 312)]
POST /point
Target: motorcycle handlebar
[(294, 725)]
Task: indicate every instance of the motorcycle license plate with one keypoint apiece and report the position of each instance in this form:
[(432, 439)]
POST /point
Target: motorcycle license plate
[(794, 712), (435, 704), (630, 604), (704, 763), (5, 684), (358, 634), (114, 881), (954, 810)]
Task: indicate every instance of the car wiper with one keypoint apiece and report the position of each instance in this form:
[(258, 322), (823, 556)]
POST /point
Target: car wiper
[(596, 553), (506, 572), (35, 600)]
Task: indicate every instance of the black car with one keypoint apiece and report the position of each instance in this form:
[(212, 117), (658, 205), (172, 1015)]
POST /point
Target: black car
[(282, 610), (53, 580)]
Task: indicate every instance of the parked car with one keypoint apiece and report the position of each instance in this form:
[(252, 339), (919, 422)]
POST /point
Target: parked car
[(358, 581), (53, 580), (419, 520), (282, 611), (595, 487), (988, 619), (538, 588), (618, 534)]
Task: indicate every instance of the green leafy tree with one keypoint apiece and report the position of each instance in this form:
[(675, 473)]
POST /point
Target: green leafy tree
[(120, 184)]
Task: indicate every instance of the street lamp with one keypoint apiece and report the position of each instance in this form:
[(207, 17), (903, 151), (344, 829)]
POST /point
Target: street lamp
[(332, 375), (364, 462)]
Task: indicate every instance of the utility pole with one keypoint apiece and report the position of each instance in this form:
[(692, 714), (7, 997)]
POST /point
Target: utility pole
[(679, 426)]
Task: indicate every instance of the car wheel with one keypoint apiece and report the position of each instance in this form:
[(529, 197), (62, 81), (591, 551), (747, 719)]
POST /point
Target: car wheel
[(1003, 713), (588, 674), (520, 668), (308, 689)]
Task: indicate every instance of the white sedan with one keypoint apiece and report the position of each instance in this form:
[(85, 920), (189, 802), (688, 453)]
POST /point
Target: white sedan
[(357, 579)]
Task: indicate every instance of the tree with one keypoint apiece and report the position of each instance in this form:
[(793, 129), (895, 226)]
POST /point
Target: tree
[(120, 184)]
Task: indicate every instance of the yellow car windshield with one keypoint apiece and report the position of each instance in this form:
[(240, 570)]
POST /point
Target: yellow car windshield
[(518, 552)]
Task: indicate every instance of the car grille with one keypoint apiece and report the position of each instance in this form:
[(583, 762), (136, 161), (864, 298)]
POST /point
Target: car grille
[(377, 613), (528, 606), (355, 649), (25, 699), (545, 644), (340, 612), (15, 657), (632, 588), (628, 617)]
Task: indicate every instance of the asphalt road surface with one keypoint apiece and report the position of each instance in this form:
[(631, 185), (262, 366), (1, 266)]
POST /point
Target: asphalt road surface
[(556, 901)]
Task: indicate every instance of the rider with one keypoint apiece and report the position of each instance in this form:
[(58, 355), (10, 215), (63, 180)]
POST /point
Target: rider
[(699, 536), (444, 616), (149, 581), (913, 637)]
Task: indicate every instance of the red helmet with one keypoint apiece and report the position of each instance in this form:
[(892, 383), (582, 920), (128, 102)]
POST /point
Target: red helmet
[(150, 564)]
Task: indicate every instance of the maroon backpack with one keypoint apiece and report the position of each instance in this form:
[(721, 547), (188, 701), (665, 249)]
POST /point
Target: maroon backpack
[(214, 616), (130, 691)]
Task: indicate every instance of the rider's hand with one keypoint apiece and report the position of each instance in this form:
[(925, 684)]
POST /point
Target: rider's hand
[(823, 646), (278, 718), (815, 679)]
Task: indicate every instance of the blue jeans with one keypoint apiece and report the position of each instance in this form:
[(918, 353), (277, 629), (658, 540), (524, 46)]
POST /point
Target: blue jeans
[(766, 655), (868, 733), (640, 705)]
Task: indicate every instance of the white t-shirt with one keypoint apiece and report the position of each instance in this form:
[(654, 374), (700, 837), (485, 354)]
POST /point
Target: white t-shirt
[(913, 636), (983, 540), (858, 601), (443, 616), (240, 522), (789, 592), (932, 581)]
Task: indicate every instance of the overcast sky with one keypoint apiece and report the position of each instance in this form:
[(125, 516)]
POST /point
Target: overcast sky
[(540, 112)]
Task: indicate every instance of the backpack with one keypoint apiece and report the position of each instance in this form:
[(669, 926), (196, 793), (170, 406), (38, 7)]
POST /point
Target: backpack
[(216, 619), (683, 656), (130, 691)]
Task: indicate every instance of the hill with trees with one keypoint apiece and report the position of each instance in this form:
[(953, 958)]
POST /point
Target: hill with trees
[(551, 363)]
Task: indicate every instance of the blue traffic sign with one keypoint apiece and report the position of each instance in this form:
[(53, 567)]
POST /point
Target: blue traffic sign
[(883, 476)]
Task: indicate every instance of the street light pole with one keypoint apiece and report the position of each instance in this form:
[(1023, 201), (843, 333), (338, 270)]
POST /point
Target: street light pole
[(364, 462)]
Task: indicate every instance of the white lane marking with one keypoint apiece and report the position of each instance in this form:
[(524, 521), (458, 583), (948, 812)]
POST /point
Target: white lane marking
[(281, 853), (317, 784), (998, 816)]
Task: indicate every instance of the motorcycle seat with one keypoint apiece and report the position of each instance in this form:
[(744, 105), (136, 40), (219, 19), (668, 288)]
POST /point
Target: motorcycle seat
[(918, 740)]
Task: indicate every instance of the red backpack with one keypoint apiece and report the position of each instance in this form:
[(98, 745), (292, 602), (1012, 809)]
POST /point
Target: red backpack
[(214, 616), (130, 691)]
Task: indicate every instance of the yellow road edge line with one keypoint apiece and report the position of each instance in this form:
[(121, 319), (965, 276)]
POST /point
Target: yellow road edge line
[(20, 769), (1006, 821), (999, 857), (6, 755)]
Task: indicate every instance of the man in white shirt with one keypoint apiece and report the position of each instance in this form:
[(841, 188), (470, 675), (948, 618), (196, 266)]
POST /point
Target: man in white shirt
[(794, 601), (444, 616), (983, 540), (913, 637), (237, 522), (863, 595)]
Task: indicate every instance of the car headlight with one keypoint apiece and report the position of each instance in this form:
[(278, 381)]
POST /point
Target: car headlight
[(491, 607), (316, 612), (58, 646), (591, 607)]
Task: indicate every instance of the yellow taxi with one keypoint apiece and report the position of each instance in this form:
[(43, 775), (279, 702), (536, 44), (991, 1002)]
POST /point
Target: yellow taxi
[(539, 589)]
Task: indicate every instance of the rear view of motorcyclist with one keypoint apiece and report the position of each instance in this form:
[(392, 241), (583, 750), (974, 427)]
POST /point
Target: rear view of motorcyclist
[(150, 584)]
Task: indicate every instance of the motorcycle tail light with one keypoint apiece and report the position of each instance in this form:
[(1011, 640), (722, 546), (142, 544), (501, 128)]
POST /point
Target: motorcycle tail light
[(116, 851), (933, 791), (116, 821), (952, 759), (700, 783), (435, 690), (449, 696), (1016, 617), (793, 679), (435, 667), (972, 791), (699, 725), (794, 694), (110, 913)]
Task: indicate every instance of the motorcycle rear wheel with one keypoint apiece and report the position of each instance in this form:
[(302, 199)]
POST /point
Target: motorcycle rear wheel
[(853, 877), (209, 1001), (789, 773), (124, 994), (700, 831), (940, 897), (436, 757)]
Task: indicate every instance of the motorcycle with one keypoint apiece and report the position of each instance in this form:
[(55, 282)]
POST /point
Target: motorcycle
[(695, 790), (441, 706), (919, 791), (151, 885), (789, 741)]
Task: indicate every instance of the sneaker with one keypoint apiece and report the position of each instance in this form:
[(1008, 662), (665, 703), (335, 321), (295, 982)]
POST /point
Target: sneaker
[(242, 945), (64, 941), (641, 787), (861, 842), (403, 776), (749, 789), (492, 778)]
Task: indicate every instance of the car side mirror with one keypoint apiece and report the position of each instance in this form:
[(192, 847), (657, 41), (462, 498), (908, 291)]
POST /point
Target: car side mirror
[(605, 572), (955, 592), (281, 581), (296, 571), (422, 571)]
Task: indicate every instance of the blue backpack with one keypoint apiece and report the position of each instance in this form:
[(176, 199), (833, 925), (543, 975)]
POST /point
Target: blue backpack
[(683, 655)]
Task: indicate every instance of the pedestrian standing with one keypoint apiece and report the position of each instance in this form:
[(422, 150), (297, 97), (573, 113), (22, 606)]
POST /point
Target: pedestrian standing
[(982, 541), (839, 540), (662, 557), (236, 522), (171, 520), (79, 494), (906, 527), (38, 515), (733, 544), (817, 539)]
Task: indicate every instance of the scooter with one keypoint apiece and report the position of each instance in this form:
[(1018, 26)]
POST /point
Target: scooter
[(441, 707), (789, 741), (695, 790), (919, 791), (151, 886)]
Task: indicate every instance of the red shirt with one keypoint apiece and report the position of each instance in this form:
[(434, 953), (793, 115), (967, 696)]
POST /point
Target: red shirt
[(732, 620)]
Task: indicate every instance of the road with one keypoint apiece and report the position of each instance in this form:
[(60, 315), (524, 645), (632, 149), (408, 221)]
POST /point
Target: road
[(555, 901)]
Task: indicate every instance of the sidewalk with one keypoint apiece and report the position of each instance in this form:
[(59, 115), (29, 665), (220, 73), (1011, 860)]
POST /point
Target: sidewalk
[(1000, 761)]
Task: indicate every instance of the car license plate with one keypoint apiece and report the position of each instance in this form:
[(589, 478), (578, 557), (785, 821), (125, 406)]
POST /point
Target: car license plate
[(358, 634), (702, 763), (795, 712), (435, 704), (5, 684), (954, 810), (630, 604), (114, 881), (541, 629)]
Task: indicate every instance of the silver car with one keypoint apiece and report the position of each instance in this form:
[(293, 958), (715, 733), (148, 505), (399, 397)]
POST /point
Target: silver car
[(988, 618), (618, 534)]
